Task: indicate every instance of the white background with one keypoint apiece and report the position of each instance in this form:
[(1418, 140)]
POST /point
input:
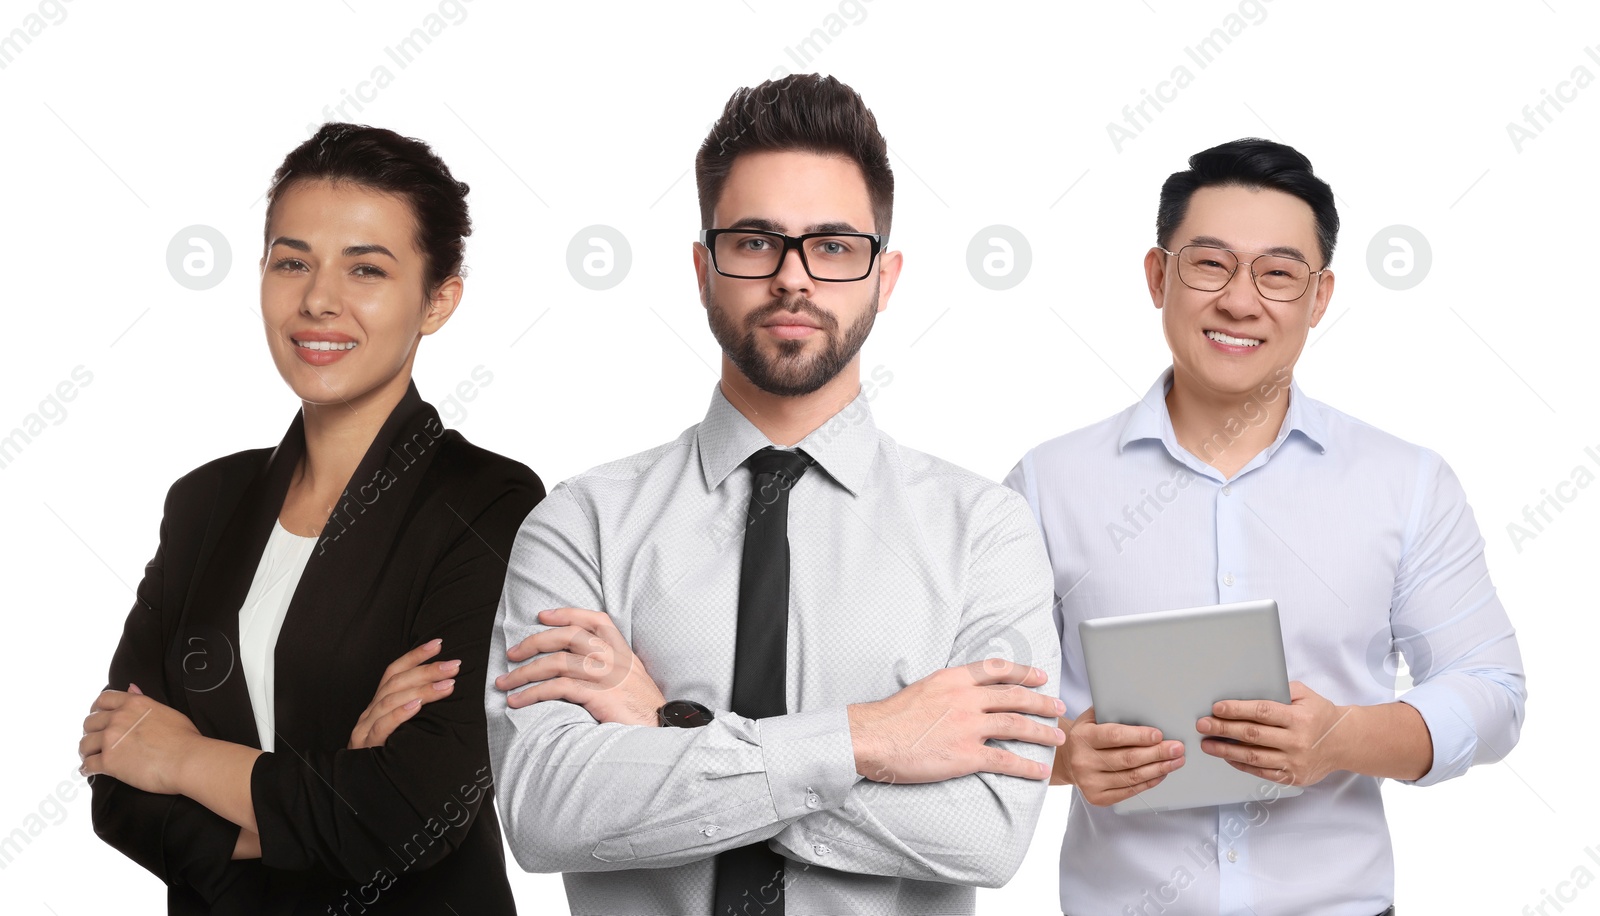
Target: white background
[(126, 122)]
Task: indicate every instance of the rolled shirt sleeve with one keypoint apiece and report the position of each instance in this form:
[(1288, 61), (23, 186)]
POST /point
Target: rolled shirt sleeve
[(1448, 622)]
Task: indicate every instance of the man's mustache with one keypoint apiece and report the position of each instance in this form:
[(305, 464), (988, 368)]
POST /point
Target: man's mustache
[(802, 306)]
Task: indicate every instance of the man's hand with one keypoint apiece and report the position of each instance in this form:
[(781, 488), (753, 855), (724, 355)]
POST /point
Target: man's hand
[(407, 684), (1110, 762), (583, 659), (936, 729), (1294, 744), (136, 740)]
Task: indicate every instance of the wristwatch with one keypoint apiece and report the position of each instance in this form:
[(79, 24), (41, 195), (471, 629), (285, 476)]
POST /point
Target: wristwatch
[(682, 714)]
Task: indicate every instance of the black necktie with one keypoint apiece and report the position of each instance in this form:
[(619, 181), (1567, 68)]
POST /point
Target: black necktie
[(750, 878)]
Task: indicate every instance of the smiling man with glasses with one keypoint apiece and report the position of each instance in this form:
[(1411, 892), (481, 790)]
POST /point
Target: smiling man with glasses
[(778, 666), (1281, 275), (1226, 483)]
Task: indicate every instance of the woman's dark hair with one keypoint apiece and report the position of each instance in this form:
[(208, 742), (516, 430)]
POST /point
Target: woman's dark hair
[(804, 112), (1251, 163), (385, 161)]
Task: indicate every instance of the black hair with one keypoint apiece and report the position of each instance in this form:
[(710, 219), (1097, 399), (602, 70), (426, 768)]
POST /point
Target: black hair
[(1252, 163)]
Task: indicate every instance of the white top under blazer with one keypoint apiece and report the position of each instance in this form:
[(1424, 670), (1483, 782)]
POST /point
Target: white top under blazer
[(261, 618)]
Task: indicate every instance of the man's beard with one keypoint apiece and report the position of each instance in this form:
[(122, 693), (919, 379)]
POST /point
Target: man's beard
[(789, 374)]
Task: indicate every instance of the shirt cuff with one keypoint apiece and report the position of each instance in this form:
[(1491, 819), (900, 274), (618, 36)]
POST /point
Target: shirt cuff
[(810, 760), (1449, 721)]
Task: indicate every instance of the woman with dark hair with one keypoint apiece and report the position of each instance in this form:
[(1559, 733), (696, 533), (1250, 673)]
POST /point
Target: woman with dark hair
[(274, 738)]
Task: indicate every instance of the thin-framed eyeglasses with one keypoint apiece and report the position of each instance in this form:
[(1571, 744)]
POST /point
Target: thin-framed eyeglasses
[(1277, 277), (755, 254)]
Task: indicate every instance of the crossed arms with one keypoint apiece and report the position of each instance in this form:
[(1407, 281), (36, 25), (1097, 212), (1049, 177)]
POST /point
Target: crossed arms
[(906, 786)]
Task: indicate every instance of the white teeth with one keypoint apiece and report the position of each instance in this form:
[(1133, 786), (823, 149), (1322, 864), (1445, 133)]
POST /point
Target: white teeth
[(1220, 337), (324, 345)]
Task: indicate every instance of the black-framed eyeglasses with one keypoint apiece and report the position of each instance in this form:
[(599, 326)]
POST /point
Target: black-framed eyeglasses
[(755, 254), (1277, 277)]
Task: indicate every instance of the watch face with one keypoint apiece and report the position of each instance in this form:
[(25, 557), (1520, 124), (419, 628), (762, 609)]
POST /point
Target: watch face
[(684, 714)]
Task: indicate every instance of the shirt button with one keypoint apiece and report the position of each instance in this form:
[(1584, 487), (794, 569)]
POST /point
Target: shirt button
[(1233, 855), (1228, 579), (1227, 490), (821, 849), (709, 830), (812, 799)]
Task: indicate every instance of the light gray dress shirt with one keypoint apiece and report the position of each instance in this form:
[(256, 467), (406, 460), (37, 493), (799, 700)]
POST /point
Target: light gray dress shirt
[(901, 564), (1368, 546)]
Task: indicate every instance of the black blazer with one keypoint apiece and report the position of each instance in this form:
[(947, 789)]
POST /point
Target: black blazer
[(415, 550)]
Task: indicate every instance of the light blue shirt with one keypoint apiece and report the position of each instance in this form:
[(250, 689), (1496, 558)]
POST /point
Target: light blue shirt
[(1368, 546)]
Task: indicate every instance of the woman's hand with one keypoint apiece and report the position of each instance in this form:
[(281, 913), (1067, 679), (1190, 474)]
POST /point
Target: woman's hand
[(408, 682), (136, 740)]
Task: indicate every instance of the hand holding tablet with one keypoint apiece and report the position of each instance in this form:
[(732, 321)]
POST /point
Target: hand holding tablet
[(1155, 676)]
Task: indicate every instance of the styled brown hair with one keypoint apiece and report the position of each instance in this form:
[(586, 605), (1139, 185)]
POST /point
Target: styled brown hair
[(800, 112), (382, 160)]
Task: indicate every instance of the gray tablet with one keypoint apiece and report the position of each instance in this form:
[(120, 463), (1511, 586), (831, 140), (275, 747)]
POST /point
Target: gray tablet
[(1166, 669)]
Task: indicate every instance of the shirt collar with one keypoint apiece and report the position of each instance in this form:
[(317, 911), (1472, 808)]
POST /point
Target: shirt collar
[(843, 446), (1150, 419)]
